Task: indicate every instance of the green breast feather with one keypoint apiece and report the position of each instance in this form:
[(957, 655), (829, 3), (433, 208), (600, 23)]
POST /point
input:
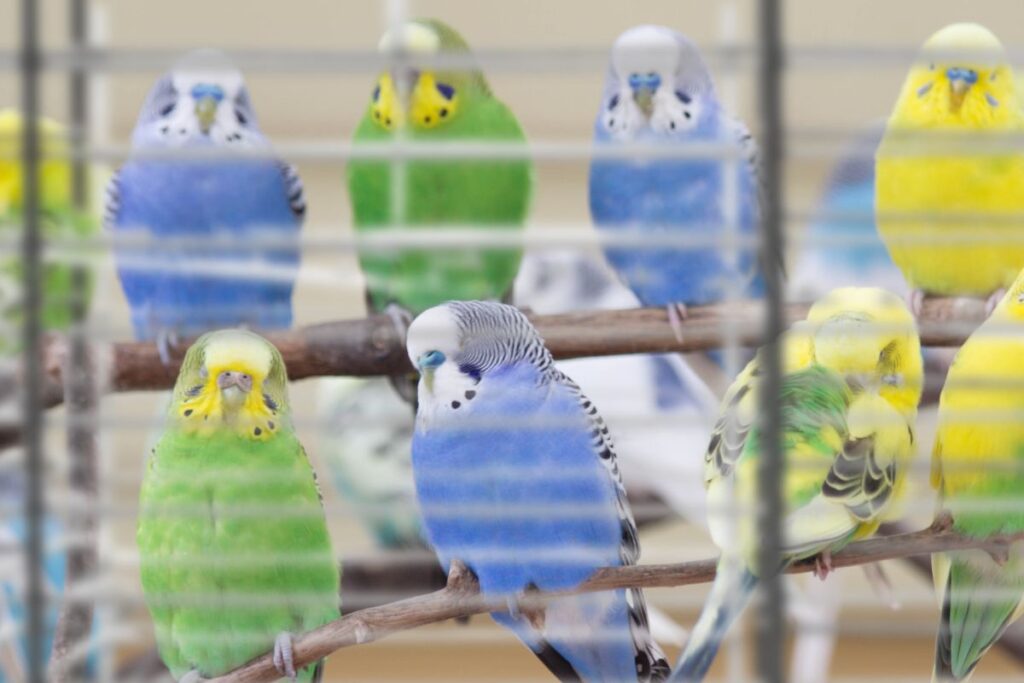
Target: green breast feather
[(485, 194), (234, 548)]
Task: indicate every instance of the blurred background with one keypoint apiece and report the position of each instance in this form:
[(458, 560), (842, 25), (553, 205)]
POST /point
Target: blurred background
[(845, 66)]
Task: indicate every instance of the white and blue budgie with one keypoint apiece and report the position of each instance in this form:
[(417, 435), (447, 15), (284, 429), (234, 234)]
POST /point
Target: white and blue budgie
[(516, 477), (211, 223), (659, 92)]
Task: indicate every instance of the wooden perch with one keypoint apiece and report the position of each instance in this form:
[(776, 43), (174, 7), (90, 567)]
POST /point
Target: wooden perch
[(372, 346), (461, 598)]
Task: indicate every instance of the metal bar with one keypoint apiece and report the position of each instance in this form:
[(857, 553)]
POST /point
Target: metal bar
[(32, 428), (771, 624), (68, 661)]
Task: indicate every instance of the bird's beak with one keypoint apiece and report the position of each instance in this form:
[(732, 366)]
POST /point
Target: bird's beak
[(427, 375), (206, 112), (405, 79), (644, 98), (957, 91)]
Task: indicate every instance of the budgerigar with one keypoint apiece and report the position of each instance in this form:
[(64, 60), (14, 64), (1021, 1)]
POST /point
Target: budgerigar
[(59, 220), (844, 248), (516, 478), (366, 445), (211, 233), (451, 104), (978, 469), (659, 92), (950, 218), (235, 554), (849, 395)]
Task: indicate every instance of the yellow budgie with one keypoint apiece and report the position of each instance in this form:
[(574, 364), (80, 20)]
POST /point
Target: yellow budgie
[(978, 467), (948, 197), (852, 375), (58, 220)]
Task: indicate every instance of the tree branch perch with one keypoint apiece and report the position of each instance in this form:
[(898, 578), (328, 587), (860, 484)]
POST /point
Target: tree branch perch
[(460, 598)]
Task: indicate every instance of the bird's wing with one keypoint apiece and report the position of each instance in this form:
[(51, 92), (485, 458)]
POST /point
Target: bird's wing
[(650, 661), (731, 430), (864, 475), (294, 189), (752, 155), (112, 201)]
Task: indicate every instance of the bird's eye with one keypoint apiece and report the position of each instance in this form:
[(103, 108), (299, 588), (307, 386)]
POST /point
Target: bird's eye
[(166, 111), (241, 118), (1020, 298), (613, 102), (682, 97), (931, 66)]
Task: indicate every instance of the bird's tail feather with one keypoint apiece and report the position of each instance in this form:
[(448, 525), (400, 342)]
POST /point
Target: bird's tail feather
[(729, 594), (971, 622)]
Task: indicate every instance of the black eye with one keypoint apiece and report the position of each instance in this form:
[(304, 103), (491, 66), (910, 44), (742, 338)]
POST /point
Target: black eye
[(241, 118), (682, 97), (613, 102), (932, 66), (167, 109)]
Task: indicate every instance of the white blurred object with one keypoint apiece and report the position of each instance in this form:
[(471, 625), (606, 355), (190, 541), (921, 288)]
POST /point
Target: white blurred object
[(366, 443)]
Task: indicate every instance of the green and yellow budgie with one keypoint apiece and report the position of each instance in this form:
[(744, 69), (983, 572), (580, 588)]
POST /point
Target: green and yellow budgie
[(950, 218), (232, 536), (59, 219), (978, 468), (852, 375), (450, 104)]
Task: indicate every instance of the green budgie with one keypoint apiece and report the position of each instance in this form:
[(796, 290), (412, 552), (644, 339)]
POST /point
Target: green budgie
[(232, 536), (446, 105), (58, 220)]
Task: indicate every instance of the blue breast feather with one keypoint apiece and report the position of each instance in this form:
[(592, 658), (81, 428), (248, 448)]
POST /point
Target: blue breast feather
[(242, 281), (510, 484), (677, 197)]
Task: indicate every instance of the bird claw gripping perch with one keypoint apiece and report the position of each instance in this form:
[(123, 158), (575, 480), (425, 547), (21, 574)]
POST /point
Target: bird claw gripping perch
[(461, 578), (192, 676), (284, 652), (677, 313)]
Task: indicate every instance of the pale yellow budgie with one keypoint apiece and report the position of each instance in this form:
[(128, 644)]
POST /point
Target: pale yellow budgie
[(852, 377)]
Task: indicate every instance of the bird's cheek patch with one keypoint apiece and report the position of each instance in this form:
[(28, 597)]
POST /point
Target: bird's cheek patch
[(384, 105), (433, 103)]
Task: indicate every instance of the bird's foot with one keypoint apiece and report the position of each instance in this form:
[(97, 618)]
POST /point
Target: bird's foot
[(166, 340), (1000, 554), (823, 564), (677, 313), (400, 318), (916, 301), (993, 300), (528, 608), (943, 521), (283, 659), (192, 676), (881, 584), (461, 578)]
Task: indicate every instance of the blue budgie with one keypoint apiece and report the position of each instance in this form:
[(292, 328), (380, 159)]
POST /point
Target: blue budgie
[(844, 248), (659, 92), (214, 237), (501, 435)]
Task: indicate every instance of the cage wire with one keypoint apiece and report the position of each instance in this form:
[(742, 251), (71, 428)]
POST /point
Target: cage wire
[(71, 606)]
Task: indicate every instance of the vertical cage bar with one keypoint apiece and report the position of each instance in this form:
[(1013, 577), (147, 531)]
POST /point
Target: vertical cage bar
[(770, 623), (32, 428), (69, 658)]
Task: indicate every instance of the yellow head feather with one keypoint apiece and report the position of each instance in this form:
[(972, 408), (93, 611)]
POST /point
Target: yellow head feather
[(868, 333), (201, 405), (960, 80)]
